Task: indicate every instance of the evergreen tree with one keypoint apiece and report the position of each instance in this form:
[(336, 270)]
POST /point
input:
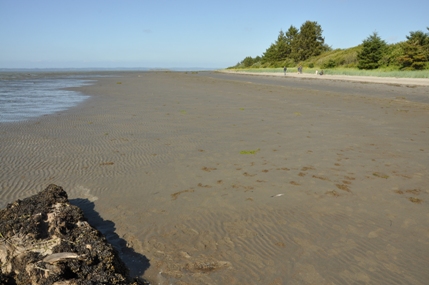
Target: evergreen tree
[(416, 51), (294, 45), (282, 48), (372, 52), (278, 51), (247, 61), (270, 54), (310, 41), (291, 36)]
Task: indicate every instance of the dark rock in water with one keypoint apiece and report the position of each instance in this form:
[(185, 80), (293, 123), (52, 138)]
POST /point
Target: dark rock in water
[(46, 240)]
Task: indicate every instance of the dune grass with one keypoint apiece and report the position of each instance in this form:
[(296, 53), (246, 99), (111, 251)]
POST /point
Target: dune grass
[(379, 73)]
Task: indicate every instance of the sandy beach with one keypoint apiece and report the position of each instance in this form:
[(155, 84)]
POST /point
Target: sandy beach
[(366, 79), (214, 178)]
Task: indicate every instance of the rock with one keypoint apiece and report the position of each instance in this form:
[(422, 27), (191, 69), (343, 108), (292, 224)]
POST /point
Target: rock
[(46, 240)]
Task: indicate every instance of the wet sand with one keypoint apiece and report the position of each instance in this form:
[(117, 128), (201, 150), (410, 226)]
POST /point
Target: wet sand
[(220, 180)]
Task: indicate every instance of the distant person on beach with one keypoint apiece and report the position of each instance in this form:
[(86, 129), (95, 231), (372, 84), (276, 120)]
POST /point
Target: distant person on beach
[(284, 70)]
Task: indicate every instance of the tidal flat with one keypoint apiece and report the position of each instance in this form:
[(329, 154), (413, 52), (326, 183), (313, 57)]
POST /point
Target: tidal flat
[(236, 179)]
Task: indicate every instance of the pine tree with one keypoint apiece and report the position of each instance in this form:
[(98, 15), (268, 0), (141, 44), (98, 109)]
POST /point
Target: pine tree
[(278, 51), (310, 41), (291, 36), (282, 48), (372, 52), (294, 45), (270, 54), (416, 51)]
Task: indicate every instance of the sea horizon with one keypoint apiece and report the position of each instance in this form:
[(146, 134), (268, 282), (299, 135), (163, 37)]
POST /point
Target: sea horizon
[(95, 69)]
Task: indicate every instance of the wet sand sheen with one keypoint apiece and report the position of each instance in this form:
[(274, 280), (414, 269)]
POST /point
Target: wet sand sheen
[(190, 168)]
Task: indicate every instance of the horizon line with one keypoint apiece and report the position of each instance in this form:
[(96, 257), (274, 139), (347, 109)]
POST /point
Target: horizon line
[(107, 68)]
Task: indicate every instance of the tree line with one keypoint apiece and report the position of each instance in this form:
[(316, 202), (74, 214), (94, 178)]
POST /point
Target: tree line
[(291, 47), (412, 54), (305, 45)]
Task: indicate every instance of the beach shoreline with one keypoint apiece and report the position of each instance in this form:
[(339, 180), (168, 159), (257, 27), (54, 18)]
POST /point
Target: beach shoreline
[(368, 79), (221, 181)]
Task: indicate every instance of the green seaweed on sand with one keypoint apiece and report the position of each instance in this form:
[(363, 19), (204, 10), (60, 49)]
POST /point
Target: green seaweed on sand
[(249, 151)]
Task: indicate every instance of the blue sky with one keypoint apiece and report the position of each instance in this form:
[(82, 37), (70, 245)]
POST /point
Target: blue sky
[(167, 34)]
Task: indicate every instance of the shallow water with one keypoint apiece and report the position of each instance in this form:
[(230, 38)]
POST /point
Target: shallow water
[(25, 96)]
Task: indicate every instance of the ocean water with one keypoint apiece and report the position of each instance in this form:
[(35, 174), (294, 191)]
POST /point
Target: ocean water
[(26, 96)]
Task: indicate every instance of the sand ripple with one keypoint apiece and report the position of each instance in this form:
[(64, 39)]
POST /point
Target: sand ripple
[(221, 181)]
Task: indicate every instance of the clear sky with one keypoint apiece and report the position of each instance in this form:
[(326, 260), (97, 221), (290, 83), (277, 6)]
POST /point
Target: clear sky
[(187, 33)]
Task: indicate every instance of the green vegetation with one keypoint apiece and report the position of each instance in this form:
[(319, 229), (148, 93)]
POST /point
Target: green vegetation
[(292, 46), (416, 51), (374, 57), (373, 49), (380, 72)]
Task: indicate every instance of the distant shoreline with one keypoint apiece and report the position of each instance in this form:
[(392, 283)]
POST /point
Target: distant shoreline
[(368, 79)]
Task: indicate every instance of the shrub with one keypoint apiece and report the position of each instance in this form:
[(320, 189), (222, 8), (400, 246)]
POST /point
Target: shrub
[(329, 64)]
